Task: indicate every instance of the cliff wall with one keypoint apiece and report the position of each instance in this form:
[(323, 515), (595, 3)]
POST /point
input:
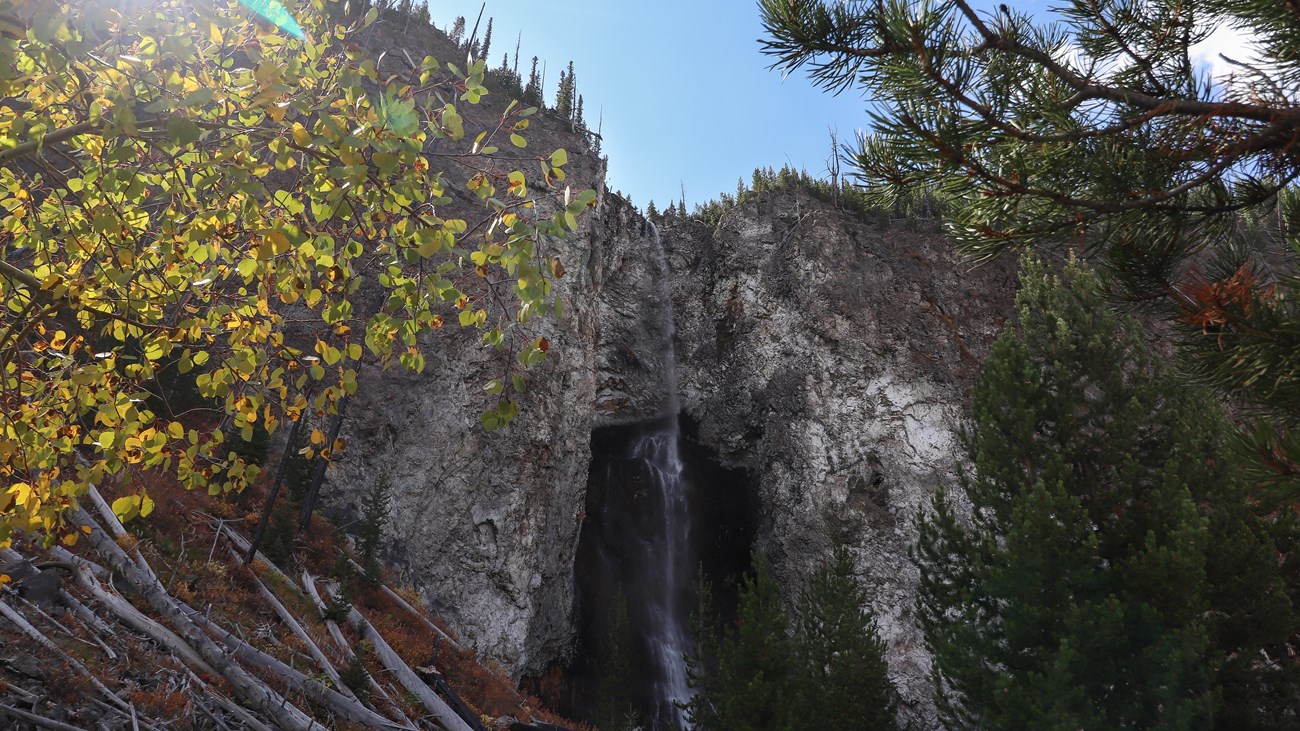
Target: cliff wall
[(827, 354)]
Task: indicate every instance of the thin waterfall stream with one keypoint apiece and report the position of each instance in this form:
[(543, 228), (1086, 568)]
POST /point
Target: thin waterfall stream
[(661, 513), (669, 626)]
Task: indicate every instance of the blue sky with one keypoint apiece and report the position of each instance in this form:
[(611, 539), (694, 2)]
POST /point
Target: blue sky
[(686, 94)]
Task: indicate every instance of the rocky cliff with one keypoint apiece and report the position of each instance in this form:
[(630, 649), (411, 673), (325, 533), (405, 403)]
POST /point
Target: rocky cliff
[(832, 357), (827, 354)]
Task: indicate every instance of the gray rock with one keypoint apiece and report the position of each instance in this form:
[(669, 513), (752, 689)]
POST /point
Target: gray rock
[(829, 357), (833, 360)]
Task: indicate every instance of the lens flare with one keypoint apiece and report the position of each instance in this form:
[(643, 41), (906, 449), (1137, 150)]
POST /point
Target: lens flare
[(274, 12)]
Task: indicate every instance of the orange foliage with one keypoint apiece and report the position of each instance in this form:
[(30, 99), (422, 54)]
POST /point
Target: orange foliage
[(161, 702), (1211, 305)]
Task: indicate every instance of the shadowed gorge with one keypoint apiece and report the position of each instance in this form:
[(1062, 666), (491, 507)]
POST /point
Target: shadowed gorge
[(648, 535)]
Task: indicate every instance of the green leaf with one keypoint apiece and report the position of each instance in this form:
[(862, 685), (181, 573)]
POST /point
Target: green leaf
[(398, 115), (198, 97), (559, 158), (181, 131), (126, 508), (518, 140), (385, 162), (133, 506)]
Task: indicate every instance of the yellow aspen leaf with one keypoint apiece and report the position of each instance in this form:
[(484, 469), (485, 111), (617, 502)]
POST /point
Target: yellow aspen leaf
[(278, 241)]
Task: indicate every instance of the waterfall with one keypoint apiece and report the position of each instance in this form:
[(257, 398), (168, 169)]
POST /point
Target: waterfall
[(667, 549), (661, 510), (669, 560), (670, 326)]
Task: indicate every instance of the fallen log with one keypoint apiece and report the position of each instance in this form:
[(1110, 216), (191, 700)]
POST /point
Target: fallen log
[(309, 584), (126, 612), (516, 725), (230, 706), (397, 598), (16, 617), (115, 527), (81, 610), (94, 638), (37, 720), (442, 713), (297, 629), (388, 592), (347, 708), (435, 679), (250, 690)]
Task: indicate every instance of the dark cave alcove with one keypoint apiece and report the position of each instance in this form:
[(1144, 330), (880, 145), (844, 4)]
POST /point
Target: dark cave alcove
[(618, 551)]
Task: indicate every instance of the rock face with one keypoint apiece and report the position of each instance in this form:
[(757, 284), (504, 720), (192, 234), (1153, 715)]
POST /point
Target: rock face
[(832, 358), (829, 356), (486, 524)]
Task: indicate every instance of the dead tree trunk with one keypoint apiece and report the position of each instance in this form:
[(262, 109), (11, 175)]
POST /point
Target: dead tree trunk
[(322, 464), (249, 689), (275, 489)]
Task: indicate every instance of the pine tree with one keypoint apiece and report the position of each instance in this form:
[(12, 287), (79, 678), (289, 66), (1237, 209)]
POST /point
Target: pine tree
[(457, 30), (1122, 144), (577, 114), (1089, 589), (650, 211), (845, 681), (374, 514), (422, 13), (487, 41), (340, 600), (571, 114), (564, 94), (298, 468), (533, 90), (278, 544), (826, 671), (618, 663), (744, 676)]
